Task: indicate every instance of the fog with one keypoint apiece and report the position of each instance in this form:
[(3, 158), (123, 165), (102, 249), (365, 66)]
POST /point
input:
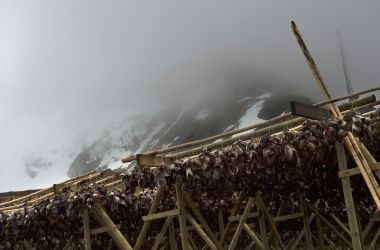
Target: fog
[(70, 68)]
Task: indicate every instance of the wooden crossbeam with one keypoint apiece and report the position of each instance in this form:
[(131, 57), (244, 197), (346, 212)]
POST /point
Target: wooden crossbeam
[(356, 171), (152, 160), (309, 111), (161, 215), (103, 229)]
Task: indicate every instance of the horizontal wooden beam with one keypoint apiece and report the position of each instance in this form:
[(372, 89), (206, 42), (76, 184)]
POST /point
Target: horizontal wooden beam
[(156, 216), (309, 111), (152, 160), (356, 171), (276, 219), (105, 229)]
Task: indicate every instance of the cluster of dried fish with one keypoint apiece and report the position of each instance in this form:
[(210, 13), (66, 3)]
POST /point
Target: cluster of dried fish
[(280, 166)]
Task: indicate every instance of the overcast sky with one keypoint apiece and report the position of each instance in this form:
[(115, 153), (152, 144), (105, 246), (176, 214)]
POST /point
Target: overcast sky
[(74, 66)]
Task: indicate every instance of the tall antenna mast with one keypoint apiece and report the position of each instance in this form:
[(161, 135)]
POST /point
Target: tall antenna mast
[(350, 89)]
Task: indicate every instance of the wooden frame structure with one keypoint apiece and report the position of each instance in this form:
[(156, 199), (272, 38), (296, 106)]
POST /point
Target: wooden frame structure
[(186, 228)]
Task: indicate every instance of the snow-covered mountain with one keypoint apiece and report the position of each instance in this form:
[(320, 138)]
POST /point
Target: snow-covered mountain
[(211, 114)]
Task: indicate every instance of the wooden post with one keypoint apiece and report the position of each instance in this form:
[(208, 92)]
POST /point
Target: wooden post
[(321, 243), (161, 234), (146, 225), (241, 224), (253, 236), (309, 240), (201, 219), (220, 223), (172, 239), (102, 217), (200, 231), (374, 240), (371, 221), (302, 233), (182, 218), (86, 229), (327, 222), (262, 206), (262, 225), (349, 200)]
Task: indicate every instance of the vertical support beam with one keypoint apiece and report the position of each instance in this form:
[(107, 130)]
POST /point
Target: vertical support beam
[(241, 224), (146, 226), (349, 200), (220, 223), (309, 240), (182, 218), (86, 229), (321, 243), (172, 239), (102, 217), (263, 227)]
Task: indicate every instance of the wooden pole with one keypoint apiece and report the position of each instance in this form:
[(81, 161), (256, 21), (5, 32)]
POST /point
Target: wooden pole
[(237, 131), (182, 218), (86, 229), (262, 225), (253, 236), (348, 198), (201, 232), (161, 234), (321, 243), (374, 240), (309, 240), (258, 132), (201, 219), (262, 206), (172, 239), (241, 224), (294, 244), (350, 141), (102, 217), (327, 222), (146, 225)]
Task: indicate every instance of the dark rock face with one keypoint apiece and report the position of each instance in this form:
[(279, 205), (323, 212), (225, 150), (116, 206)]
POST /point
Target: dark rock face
[(84, 162)]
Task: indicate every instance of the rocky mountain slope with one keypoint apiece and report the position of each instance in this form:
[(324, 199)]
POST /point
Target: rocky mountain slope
[(215, 112)]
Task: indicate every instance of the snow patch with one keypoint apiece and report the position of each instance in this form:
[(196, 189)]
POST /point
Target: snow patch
[(250, 116), (244, 99), (264, 96), (202, 115)]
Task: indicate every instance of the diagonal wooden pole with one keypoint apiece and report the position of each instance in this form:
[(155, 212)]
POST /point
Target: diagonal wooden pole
[(233, 213), (146, 225), (102, 217), (161, 234), (349, 141), (201, 219), (241, 224)]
